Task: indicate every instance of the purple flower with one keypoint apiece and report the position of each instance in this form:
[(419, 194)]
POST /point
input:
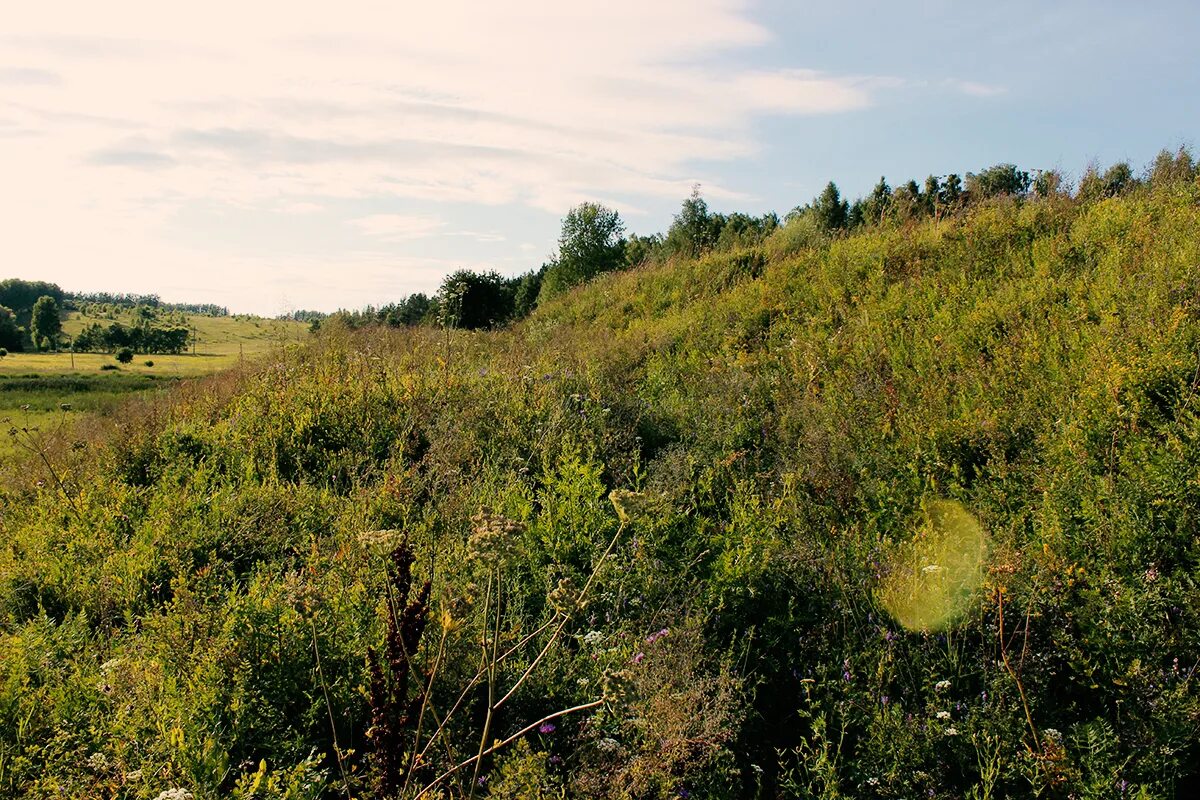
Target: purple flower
[(555, 760), (547, 727), (654, 637), (883, 700), (637, 659)]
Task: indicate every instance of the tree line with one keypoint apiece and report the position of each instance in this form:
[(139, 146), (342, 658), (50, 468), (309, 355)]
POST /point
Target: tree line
[(140, 338), (31, 315), (593, 239)]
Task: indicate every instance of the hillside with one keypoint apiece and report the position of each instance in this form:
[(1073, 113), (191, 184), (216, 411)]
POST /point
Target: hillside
[(679, 528)]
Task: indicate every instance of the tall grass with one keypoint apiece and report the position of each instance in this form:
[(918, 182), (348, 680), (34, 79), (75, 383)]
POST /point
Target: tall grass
[(765, 430)]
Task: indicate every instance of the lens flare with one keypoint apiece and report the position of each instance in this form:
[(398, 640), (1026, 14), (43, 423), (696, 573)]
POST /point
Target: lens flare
[(932, 579)]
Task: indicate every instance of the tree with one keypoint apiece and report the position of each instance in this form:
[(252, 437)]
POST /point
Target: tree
[(21, 295), (950, 195), (832, 212), (1118, 178), (590, 243), (1048, 183), (639, 249), (931, 196), (693, 230), (45, 323), (125, 355), (1115, 180), (525, 297), (10, 333), (475, 300), (998, 181), (876, 207), (1168, 169), (906, 201)]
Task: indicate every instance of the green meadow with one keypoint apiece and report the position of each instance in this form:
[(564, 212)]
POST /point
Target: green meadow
[(904, 509), (34, 386)]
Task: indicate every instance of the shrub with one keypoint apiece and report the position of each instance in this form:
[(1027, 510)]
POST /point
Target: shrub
[(149, 363), (124, 355)]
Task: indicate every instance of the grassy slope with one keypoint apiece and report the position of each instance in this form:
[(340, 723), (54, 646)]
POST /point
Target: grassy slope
[(784, 415)]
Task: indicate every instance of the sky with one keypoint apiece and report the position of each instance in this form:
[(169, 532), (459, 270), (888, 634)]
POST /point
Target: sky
[(273, 156)]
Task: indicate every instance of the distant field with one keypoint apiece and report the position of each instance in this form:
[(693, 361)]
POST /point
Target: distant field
[(33, 386)]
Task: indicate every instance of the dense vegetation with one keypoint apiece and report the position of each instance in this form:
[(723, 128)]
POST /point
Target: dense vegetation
[(667, 501), (31, 319)]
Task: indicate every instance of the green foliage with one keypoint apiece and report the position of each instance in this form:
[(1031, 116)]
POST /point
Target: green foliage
[(694, 230), (46, 324), (1002, 180), (831, 211), (124, 355), (475, 300), (11, 334), (733, 454), (21, 296), (590, 243)]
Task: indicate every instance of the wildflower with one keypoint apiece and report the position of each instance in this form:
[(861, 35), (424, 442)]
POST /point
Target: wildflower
[(943, 715), (952, 731), (654, 637), (883, 700), (564, 597), (608, 744), (98, 761), (547, 728), (622, 501), (872, 781), (492, 536), (942, 686), (174, 794), (135, 775), (637, 659), (1052, 734)]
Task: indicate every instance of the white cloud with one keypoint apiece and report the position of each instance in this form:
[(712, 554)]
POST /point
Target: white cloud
[(975, 89), (397, 227), (131, 112)]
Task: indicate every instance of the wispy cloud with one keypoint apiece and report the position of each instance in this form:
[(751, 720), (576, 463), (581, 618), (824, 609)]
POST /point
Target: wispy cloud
[(397, 227), (23, 76), (274, 107), (974, 89)]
